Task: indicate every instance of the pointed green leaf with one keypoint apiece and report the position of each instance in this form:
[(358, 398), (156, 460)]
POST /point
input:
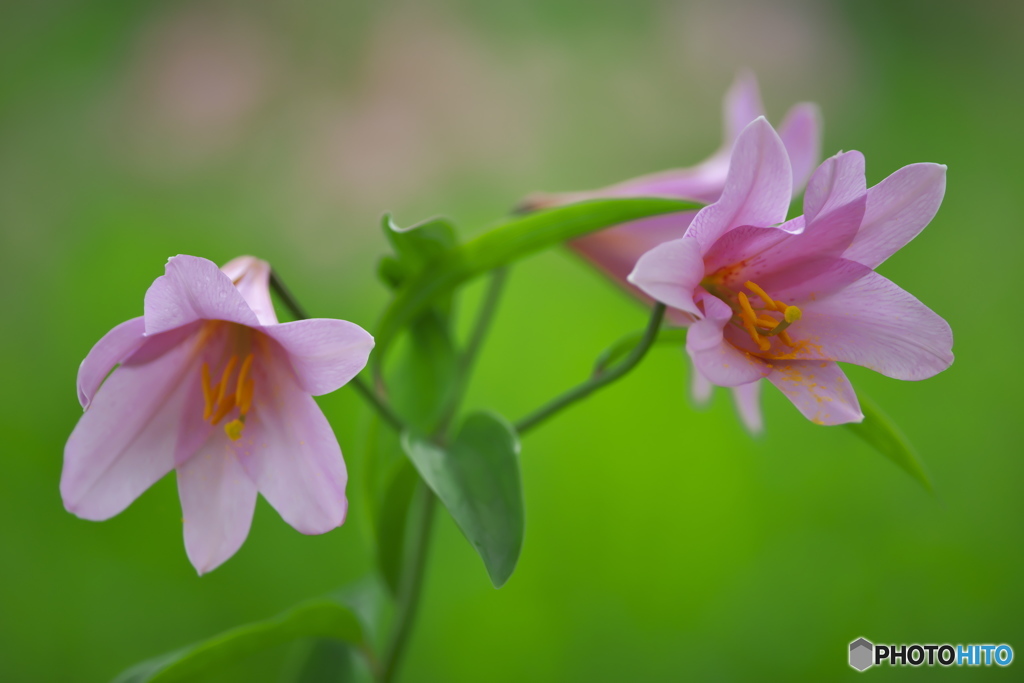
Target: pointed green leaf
[(323, 618), (508, 242), (883, 434), (477, 479)]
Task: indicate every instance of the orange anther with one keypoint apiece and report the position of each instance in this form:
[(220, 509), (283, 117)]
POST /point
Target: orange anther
[(761, 293), (243, 375)]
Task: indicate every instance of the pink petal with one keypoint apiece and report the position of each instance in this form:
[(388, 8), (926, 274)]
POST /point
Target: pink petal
[(715, 358), (801, 134), (251, 277), (670, 273), (819, 389), (129, 436), (757, 190), (324, 353), (193, 289), (742, 104), (875, 323), (289, 450), (113, 348), (700, 386), (615, 251), (217, 503), (747, 398), (838, 182), (898, 208)]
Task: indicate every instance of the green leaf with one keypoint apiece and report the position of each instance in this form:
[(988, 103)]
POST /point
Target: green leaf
[(323, 618), (504, 244), (477, 479), (883, 434), (418, 244)]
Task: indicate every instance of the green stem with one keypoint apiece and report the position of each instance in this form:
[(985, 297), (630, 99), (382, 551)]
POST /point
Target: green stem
[(412, 585), (485, 315), (277, 284), (598, 380), (671, 335), (375, 401)]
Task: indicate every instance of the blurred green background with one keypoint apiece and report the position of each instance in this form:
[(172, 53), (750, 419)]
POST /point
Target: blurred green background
[(662, 543)]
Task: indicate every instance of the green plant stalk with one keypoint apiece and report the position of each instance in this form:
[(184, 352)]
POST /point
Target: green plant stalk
[(412, 585), (376, 402), (485, 315), (600, 379)]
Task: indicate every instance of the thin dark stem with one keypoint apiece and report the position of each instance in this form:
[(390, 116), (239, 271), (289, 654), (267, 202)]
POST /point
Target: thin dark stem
[(464, 368), (598, 380), (412, 584), (375, 401), (382, 408), (277, 284)]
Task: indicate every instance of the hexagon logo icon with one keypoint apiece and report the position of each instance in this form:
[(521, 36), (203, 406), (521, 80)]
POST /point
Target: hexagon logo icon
[(861, 654)]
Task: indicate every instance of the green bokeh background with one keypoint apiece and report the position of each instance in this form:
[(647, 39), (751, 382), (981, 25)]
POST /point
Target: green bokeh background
[(662, 543)]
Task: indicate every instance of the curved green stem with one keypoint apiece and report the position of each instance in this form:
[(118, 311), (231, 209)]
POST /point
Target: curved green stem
[(375, 401), (412, 584), (600, 379), (464, 368)]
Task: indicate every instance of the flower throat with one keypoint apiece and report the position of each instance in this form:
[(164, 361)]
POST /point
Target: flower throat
[(221, 398)]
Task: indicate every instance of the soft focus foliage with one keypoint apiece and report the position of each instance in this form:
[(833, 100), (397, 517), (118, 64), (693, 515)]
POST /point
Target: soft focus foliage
[(659, 542)]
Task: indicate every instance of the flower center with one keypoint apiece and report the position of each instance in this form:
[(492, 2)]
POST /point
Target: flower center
[(759, 321), (223, 397)]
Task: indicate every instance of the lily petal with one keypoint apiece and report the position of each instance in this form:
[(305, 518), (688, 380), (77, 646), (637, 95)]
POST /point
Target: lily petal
[(670, 273), (898, 208), (700, 386), (838, 182), (875, 323), (324, 353), (800, 131), (251, 276), (819, 389), (128, 438), (747, 398), (721, 362), (616, 250), (292, 455), (217, 503), (742, 104), (191, 289), (757, 189), (113, 348)]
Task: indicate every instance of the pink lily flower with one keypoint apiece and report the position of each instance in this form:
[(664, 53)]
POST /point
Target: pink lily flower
[(785, 300), (209, 384), (615, 251)]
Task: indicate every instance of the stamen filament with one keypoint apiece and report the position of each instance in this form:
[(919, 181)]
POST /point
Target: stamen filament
[(761, 293), (243, 376), (223, 386), (244, 398), (223, 409)]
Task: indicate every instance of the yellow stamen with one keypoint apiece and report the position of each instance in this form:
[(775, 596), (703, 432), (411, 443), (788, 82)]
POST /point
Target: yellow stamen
[(223, 409), (223, 386), (207, 392), (234, 429), (784, 336), (243, 375), (761, 293), (749, 319), (766, 322), (244, 399), (781, 306), (792, 314)]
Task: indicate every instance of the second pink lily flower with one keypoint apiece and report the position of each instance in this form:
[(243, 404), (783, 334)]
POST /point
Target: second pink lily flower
[(616, 250), (785, 300)]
